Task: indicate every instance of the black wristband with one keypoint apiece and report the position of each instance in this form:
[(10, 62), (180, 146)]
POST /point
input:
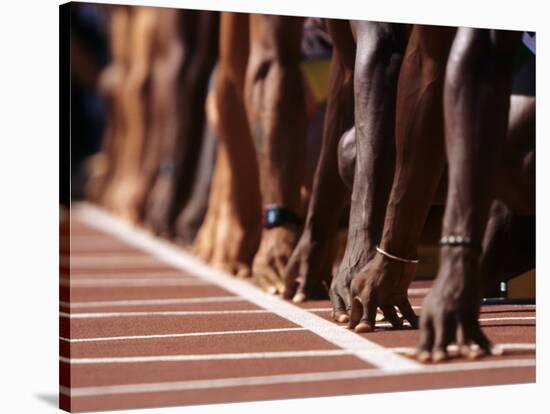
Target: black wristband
[(278, 217)]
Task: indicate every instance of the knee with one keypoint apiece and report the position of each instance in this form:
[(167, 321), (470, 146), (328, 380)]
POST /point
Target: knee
[(346, 157), (270, 66), (481, 55), (378, 46), (276, 51), (463, 58), (136, 81), (111, 79), (227, 93), (268, 78)]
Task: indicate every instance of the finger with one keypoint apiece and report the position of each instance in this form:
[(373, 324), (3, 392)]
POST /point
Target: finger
[(368, 321), (243, 270), (275, 277), (204, 254), (280, 265), (480, 339), (442, 338), (346, 297), (439, 355), (291, 284), (226, 267), (279, 286), (339, 313), (426, 340), (299, 295), (348, 290), (290, 289), (356, 312), (275, 283), (260, 280), (363, 313), (279, 271), (462, 340), (408, 313), (391, 316)]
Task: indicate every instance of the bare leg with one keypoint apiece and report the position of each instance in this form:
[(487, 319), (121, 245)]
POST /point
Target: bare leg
[(103, 165), (163, 124), (308, 272), (234, 232), (194, 209), (192, 216), (198, 33), (204, 244), (276, 109), (203, 55), (507, 251), (124, 190)]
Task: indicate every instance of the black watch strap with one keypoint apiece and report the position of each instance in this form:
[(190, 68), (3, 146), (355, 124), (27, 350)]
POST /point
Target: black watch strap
[(275, 216)]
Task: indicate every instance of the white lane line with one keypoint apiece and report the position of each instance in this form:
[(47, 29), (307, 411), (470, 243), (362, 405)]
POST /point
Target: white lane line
[(359, 346), (120, 265), (149, 302), (285, 378), (97, 282), (181, 301), (182, 335), (74, 238), (205, 357), (102, 260), (330, 309), (418, 291), (101, 254), (75, 275), (509, 318), (415, 307), (505, 347), (97, 239), (97, 315)]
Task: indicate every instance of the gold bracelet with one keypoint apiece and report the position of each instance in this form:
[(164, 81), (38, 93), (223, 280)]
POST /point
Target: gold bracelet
[(391, 256)]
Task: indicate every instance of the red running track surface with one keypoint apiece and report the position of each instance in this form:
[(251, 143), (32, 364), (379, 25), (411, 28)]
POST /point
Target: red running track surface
[(138, 331)]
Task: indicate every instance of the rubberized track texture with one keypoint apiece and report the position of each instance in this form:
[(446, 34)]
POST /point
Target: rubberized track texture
[(144, 324)]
